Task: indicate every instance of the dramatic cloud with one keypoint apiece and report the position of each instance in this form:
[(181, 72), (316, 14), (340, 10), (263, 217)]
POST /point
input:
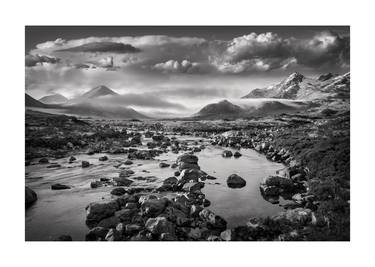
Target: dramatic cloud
[(33, 60), (102, 47)]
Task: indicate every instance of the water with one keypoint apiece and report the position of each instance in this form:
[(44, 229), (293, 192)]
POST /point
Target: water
[(63, 212)]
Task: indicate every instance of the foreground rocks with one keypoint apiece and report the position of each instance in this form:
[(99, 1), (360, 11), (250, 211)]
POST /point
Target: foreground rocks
[(30, 197), (235, 181)]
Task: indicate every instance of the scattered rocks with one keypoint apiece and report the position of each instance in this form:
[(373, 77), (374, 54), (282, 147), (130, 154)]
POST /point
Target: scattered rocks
[(235, 181)]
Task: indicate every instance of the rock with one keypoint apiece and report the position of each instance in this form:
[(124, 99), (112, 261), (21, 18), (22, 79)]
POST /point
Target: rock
[(237, 154), (131, 205), (227, 154), (95, 184), (104, 158), (120, 227), (163, 165), (97, 211), (97, 234), (122, 181), (195, 210), (125, 215), (190, 175), (300, 216), (187, 158), (85, 164), (227, 235), (59, 187), (160, 225), (54, 165), (110, 222), (206, 203), (235, 181), (153, 207), (209, 177), (30, 197), (213, 221), (64, 238), (118, 191), (170, 181), (132, 228), (167, 237), (43, 161), (113, 235), (184, 166), (72, 159), (174, 165), (128, 162), (192, 186), (195, 233)]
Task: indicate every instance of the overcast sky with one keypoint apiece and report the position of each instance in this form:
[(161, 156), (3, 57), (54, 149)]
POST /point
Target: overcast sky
[(177, 70)]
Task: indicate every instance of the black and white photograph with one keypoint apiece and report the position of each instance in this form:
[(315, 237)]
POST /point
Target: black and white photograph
[(187, 133)]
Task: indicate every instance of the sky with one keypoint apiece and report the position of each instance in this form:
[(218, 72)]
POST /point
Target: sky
[(177, 69)]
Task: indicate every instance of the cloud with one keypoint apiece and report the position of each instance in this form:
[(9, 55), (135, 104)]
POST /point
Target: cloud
[(173, 66), (102, 47), (268, 51), (33, 60)]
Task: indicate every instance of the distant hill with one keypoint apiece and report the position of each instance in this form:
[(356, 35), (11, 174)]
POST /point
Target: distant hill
[(98, 91), (32, 102), (248, 108), (53, 99), (297, 86)]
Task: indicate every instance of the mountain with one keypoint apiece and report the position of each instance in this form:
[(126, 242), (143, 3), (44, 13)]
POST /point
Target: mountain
[(32, 102), (247, 108), (297, 86), (54, 99), (223, 107), (95, 109), (98, 91)]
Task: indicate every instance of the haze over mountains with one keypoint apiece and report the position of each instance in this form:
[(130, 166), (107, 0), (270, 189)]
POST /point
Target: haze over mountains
[(294, 93)]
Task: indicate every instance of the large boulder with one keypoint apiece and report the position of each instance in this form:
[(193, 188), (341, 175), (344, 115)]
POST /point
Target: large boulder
[(235, 181), (187, 161), (160, 225), (153, 207), (30, 196), (98, 211)]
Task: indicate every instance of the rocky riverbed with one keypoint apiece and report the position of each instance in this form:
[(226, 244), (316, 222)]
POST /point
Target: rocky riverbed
[(243, 180)]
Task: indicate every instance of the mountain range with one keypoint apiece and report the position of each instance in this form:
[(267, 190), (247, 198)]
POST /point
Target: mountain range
[(293, 94), (297, 86)]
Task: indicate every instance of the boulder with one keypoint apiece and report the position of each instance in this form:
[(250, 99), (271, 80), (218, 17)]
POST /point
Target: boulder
[(128, 162), (85, 164), (110, 222), (100, 210), (160, 225), (104, 158), (237, 154), (126, 173), (163, 165), (227, 235), (192, 186), (190, 175), (184, 166), (96, 234), (118, 191), (43, 161), (125, 215), (227, 154), (153, 207), (187, 158), (122, 181), (59, 187), (170, 181), (72, 159), (113, 235), (30, 196), (235, 181)]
